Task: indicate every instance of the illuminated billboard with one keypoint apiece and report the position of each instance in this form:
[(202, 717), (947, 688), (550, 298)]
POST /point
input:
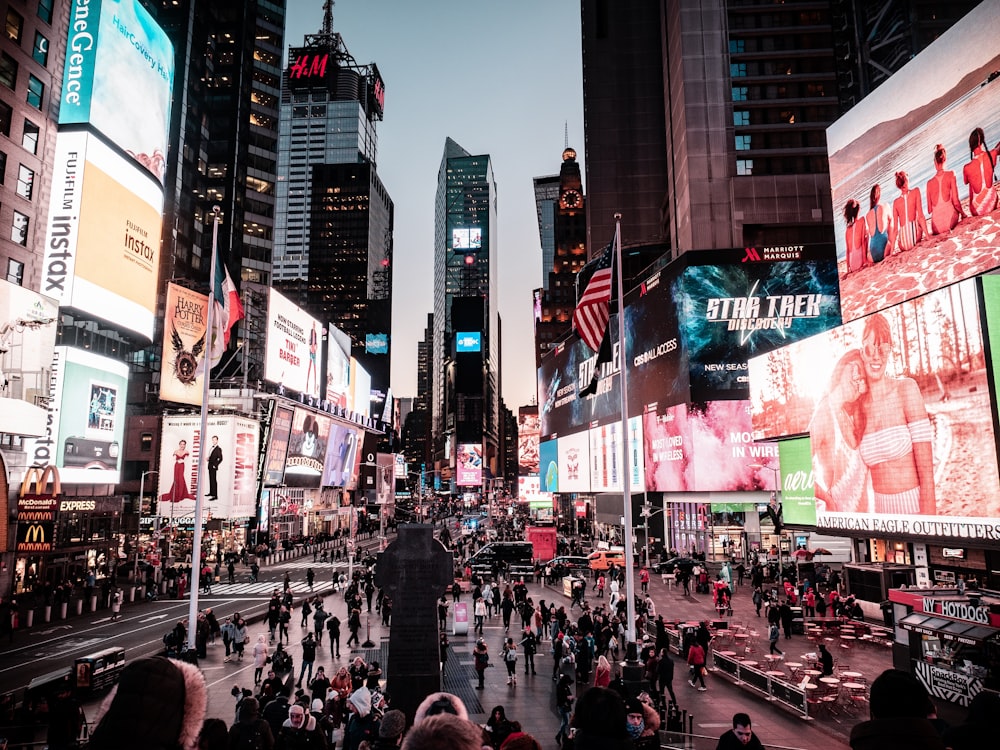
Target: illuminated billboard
[(118, 77), (468, 342), (898, 415), (293, 347), (922, 127), (227, 460), (376, 343), (574, 462), (548, 464), (704, 447), (361, 389), (307, 448), (338, 367), (467, 238), (605, 458), (281, 429), (28, 343), (86, 419), (102, 240), (527, 443), (529, 491), (341, 454), (181, 376), (564, 372), (469, 465)]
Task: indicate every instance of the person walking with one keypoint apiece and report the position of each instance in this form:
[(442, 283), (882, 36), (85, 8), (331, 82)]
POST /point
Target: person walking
[(310, 578), (320, 616), (305, 610), (354, 625), (772, 639), (284, 616), (564, 702), (509, 654), (481, 660), (308, 657), (240, 637), (665, 673), (479, 610), (116, 604), (333, 628), (696, 662), (259, 659), (530, 644)]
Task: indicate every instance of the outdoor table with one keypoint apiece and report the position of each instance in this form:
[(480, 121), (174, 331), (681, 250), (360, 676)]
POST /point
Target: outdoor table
[(795, 665), (830, 680), (748, 663), (774, 673), (848, 637), (726, 653), (854, 686), (852, 675), (809, 686), (812, 672)]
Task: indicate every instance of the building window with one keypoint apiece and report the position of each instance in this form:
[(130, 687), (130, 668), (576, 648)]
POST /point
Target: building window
[(41, 50), (737, 46), (15, 25), (741, 117), (36, 89), (19, 229), (3, 166), (146, 442), (740, 93), (8, 70), (744, 166), (742, 143), (29, 138), (15, 271), (45, 10), (6, 115), (737, 70), (26, 181)]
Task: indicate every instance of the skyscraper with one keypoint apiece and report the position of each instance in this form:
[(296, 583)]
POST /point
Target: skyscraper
[(465, 301), (333, 240)]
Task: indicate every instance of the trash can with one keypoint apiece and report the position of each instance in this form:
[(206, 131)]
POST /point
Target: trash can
[(887, 615)]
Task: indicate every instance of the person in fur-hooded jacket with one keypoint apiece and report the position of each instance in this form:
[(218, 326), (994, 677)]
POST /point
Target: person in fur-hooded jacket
[(300, 731), (158, 704), (649, 738)]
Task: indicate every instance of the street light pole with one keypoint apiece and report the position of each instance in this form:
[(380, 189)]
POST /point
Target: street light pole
[(142, 492), (776, 497), (648, 511)]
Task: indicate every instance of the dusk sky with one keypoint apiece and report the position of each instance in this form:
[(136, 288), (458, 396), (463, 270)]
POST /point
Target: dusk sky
[(502, 79)]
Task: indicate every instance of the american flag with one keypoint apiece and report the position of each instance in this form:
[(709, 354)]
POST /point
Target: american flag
[(592, 312)]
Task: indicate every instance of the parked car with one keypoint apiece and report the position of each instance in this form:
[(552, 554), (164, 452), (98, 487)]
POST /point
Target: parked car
[(571, 563), (682, 563)]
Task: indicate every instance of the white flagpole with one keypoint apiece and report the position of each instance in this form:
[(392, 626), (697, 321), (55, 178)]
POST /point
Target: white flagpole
[(198, 498), (630, 634)]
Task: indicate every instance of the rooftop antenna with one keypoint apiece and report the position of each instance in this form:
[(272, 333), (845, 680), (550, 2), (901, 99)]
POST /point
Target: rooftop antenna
[(566, 133), (327, 17)]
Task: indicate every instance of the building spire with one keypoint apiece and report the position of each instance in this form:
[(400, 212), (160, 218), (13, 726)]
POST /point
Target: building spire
[(327, 17), (566, 134)]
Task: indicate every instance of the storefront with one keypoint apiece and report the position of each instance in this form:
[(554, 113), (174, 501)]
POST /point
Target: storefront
[(950, 642)]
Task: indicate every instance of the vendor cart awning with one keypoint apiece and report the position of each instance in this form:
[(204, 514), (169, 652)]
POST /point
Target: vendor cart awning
[(948, 629)]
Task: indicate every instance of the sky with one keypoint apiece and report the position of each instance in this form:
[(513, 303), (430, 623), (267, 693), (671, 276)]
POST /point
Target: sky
[(503, 79)]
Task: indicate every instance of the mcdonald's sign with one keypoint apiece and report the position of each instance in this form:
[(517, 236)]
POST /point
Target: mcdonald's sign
[(37, 477), (35, 536)]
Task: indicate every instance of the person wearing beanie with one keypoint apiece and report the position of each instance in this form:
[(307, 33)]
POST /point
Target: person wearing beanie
[(250, 730), (643, 723), (361, 727), (158, 704), (300, 731), (440, 703), (520, 741), (390, 730)]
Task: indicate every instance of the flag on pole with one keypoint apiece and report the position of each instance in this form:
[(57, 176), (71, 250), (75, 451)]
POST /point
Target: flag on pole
[(226, 310), (592, 312)]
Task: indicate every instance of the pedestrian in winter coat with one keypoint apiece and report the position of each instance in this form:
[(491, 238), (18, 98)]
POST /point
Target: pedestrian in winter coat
[(666, 674), (481, 660), (259, 658), (696, 662)]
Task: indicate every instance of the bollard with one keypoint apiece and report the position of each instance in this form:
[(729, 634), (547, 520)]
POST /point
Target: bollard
[(131, 594), (29, 618), (48, 613), (79, 606), (93, 603), (62, 610)]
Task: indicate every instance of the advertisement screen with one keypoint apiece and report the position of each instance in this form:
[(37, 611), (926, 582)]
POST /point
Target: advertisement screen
[(905, 158), (281, 428), (102, 239), (467, 238), (338, 366), (361, 389), (86, 418), (899, 416), (377, 343), (705, 447), (227, 460), (739, 303), (468, 342), (529, 491), (527, 443), (181, 376), (293, 346), (341, 453), (119, 78), (574, 462), (31, 337), (548, 462), (606, 458), (469, 465), (565, 371), (307, 448)]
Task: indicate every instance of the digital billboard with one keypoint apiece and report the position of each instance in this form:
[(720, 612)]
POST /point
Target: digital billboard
[(86, 419), (181, 376), (468, 342), (467, 238), (341, 454), (564, 372), (118, 77), (899, 416), (293, 347), (469, 465), (735, 304), (527, 443), (529, 491), (606, 455), (548, 464), (574, 462), (227, 460), (27, 344), (704, 447), (307, 448), (361, 389), (376, 343), (281, 429), (102, 239), (338, 367), (905, 158)]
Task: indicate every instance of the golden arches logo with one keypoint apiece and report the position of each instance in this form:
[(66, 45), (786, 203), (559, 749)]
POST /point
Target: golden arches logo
[(34, 534), (37, 478)]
